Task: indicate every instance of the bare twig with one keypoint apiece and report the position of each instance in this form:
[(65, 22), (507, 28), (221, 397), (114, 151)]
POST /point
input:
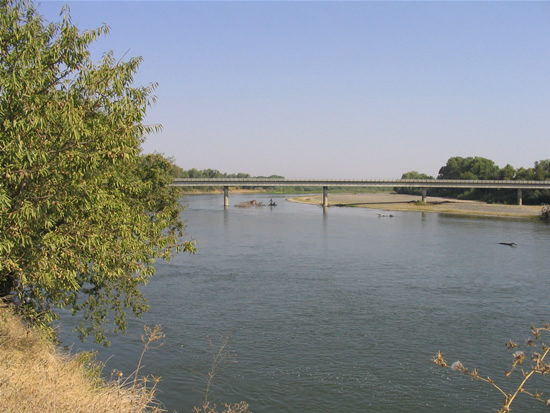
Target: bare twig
[(538, 366)]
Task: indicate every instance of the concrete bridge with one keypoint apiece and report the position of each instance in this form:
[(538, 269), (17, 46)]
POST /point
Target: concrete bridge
[(424, 184)]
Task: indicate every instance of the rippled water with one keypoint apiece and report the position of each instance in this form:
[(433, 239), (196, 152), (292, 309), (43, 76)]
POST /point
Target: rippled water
[(341, 311)]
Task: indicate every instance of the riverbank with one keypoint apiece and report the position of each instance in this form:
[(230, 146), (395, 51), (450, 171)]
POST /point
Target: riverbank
[(35, 376), (400, 202)]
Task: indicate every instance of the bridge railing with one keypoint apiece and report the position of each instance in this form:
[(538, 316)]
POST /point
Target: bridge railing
[(416, 183)]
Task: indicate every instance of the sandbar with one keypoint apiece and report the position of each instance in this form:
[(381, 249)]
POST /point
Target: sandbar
[(388, 201)]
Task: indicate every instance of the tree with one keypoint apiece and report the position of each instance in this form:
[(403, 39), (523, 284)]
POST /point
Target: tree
[(472, 168), (507, 173), (542, 170), (469, 168), (525, 174), (83, 215), (412, 190)]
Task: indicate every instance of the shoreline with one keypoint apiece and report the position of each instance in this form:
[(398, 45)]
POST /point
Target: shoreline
[(400, 202)]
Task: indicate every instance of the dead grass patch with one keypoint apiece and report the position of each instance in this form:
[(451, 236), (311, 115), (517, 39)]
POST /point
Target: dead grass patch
[(37, 377)]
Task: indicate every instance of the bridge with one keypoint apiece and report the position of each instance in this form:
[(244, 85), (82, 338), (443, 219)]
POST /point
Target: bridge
[(423, 184)]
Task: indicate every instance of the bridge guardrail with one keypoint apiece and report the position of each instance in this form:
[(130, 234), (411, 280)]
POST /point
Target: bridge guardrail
[(417, 183)]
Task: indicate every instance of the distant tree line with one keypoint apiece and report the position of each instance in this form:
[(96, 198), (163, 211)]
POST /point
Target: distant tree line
[(205, 173), (178, 172), (485, 169)]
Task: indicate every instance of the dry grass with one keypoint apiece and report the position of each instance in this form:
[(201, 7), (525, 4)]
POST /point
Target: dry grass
[(220, 355), (36, 377)]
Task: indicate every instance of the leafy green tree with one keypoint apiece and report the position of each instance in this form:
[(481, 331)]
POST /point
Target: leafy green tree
[(507, 173), (411, 190), (481, 168), (503, 196), (542, 170), (469, 168), (242, 175), (452, 169), (83, 215), (525, 174), (472, 168)]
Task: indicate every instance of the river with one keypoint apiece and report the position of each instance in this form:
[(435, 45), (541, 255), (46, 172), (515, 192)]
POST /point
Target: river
[(340, 311)]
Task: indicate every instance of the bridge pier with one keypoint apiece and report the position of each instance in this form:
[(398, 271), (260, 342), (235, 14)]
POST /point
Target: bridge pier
[(423, 184), (225, 197)]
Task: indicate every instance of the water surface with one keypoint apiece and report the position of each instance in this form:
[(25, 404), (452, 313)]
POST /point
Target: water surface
[(341, 311)]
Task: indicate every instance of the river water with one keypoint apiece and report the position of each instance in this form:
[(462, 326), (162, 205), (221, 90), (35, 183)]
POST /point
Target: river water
[(340, 311)]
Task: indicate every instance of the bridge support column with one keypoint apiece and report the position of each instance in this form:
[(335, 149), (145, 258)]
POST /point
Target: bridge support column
[(225, 197), (520, 197), (325, 196), (424, 192)]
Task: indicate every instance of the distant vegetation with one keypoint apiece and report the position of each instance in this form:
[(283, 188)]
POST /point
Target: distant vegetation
[(482, 168), (178, 172), (455, 168)]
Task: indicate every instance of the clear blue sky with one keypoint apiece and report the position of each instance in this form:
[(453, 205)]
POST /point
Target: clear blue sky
[(336, 89)]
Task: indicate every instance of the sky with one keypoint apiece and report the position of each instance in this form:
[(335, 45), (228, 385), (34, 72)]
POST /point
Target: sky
[(335, 89)]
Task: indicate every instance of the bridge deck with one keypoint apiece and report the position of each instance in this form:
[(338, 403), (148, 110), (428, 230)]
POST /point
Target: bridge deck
[(416, 183)]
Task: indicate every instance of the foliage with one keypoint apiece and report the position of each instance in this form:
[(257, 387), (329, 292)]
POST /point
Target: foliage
[(206, 173), (467, 168), (482, 168), (542, 170), (213, 173), (456, 168), (411, 190), (538, 366), (83, 215)]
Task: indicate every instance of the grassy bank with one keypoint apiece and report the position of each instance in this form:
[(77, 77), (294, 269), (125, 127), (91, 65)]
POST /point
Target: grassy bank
[(37, 377)]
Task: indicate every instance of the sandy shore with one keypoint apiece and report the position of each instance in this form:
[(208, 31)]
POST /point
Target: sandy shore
[(398, 202)]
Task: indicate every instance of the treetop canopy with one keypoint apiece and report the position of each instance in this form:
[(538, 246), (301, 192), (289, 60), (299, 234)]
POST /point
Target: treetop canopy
[(83, 215)]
